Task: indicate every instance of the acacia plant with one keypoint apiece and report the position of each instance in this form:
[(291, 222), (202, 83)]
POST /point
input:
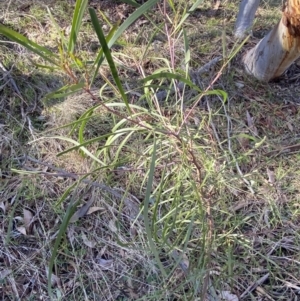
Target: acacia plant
[(164, 139)]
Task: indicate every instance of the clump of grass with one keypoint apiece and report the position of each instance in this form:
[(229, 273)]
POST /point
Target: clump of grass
[(130, 196)]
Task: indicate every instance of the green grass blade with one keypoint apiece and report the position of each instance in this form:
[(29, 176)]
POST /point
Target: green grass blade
[(131, 19), (11, 218), (84, 118), (83, 149), (222, 93), (41, 51), (187, 53), (171, 3), (65, 195), (187, 14), (62, 230), (146, 211), (64, 91), (87, 142), (184, 249), (50, 68), (58, 29), (82, 127), (170, 76), (80, 8), (131, 2), (108, 55), (100, 56), (158, 196)]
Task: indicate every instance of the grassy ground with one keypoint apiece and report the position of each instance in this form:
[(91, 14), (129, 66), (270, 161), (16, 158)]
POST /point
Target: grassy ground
[(177, 202)]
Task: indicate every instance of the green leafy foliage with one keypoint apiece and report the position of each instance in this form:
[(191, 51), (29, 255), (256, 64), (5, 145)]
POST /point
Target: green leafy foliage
[(41, 51), (152, 146), (79, 11), (108, 56)]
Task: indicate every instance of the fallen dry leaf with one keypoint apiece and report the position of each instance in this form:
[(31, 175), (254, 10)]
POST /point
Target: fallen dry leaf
[(227, 296), (184, 263), (88, 243), (250, 123), (70, 284), (132, 206), (73, 265), (133, 231), (82, 211), (271, 176), (94, 209), (105, 264), (27, 219), (54, 279), (22, 230), (239, 84), (184, 260), (263, 293), (70, 233), (216, 4), (290, 126), (244, 142), (3, 207), (131, 291), (4, 273), (112, 226), (249, 119)]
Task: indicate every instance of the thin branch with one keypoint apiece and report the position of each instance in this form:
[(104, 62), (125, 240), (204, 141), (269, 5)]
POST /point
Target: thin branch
[(200, 97), (11, 80), (65, 174), (254, 285)]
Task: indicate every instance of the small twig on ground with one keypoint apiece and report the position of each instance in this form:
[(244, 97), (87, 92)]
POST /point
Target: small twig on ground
[(63, 173), (207, 66), (285, 150), (253, 286), (11, 80)]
